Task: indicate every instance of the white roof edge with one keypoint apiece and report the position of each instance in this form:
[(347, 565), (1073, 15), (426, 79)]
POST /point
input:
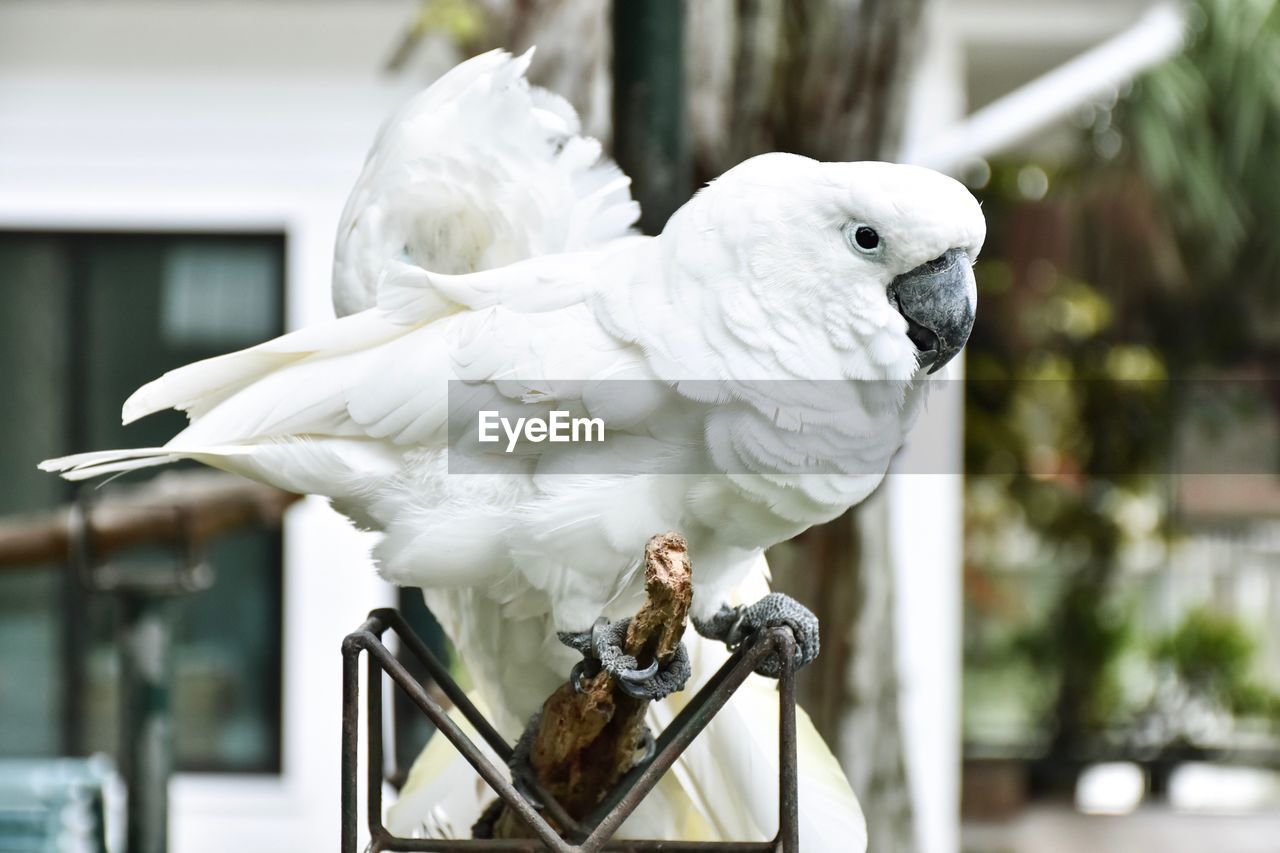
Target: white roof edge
[(1035, 106)]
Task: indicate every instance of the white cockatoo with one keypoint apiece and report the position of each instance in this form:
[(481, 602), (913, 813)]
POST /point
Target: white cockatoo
[(753, 370)]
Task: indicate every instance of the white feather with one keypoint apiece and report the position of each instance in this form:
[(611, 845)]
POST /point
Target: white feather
[(477, 171)]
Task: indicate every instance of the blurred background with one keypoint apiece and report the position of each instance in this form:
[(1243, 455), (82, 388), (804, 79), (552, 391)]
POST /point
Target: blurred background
[(1077, 651)]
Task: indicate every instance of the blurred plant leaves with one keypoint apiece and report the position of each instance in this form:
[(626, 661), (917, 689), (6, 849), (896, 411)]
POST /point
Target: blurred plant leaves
[(1212, 656), (1151, 258), (1204, 130)]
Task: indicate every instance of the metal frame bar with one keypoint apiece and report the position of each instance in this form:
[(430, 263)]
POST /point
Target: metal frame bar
[(594, 833), (144, 642)]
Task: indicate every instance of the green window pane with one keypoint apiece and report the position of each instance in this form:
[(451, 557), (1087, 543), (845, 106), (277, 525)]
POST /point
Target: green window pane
[(103, 314), (34, 299)]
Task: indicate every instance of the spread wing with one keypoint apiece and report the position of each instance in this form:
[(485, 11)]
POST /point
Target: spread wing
[(478, 171), (332, 408)]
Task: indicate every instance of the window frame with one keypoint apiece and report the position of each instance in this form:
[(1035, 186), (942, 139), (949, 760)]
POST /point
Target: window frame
[(74, 640), (59, 176)]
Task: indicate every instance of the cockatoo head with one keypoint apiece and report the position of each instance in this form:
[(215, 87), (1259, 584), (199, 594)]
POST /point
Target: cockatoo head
[(878, 255)]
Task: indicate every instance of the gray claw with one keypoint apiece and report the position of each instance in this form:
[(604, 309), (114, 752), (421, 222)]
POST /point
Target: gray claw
[(736, 634), (636, 690), (734, 625), (585, 668), (638, 676), (601, 649)]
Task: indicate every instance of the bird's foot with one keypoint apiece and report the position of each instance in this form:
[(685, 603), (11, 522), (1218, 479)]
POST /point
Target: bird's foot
[(601, 650), (734, 625), (523, 777)]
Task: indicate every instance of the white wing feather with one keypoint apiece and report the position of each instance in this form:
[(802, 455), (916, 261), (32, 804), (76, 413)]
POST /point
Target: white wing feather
[(377, 381), (478, 171)]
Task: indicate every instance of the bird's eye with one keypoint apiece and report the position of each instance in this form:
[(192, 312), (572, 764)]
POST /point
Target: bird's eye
[(864, 238)]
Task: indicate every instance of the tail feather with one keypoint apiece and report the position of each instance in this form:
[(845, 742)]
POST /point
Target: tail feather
[(83, 466), (197, 388), (86, 466), (190, 386)]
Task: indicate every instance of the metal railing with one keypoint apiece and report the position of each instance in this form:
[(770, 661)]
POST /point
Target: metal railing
[(184, 510), (589, 835)]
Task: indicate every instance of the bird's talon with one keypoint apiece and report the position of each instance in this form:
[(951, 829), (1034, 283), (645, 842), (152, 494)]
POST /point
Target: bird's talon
[(599, 635), (635, 691), (735, 625), (639, 676), (733, 639), (601, 649), (583, 669)]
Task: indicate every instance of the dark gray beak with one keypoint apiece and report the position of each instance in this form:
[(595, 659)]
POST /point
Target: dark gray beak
[(938, 300)]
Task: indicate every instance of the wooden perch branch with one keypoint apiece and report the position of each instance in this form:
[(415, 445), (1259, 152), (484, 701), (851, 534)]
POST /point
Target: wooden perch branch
[(174, 507), (587, 741)]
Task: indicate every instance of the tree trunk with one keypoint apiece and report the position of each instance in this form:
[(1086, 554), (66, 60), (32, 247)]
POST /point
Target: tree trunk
[(828, 79), (822, 78)]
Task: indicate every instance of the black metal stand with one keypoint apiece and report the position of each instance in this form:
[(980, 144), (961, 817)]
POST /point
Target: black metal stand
[(589, 835), (144, 641)]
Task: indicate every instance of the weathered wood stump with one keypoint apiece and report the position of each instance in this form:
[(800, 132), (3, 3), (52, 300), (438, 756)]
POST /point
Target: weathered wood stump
[(586, 741)]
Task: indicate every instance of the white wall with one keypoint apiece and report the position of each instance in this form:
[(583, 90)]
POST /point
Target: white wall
[(111, 118), (227, 37)]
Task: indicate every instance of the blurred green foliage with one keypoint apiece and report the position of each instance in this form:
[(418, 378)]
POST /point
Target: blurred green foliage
[(1153, 254), (1205, 132), (1067, 421), (1212, 656)]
